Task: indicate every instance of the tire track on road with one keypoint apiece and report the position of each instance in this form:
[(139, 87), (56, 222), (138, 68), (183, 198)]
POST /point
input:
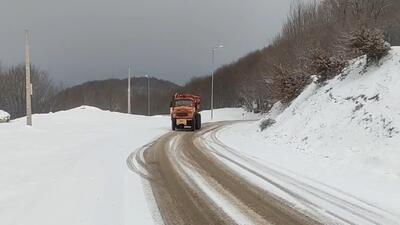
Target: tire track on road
[(192, 186)]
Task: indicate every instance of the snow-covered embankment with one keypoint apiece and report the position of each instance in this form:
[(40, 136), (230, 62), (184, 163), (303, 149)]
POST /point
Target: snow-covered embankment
[(342, 137), (69, 168)]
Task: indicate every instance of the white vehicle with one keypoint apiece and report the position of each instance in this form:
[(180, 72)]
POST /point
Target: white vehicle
[(4, 116)]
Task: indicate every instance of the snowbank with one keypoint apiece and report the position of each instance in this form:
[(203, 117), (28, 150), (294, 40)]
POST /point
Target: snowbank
[(344, 134), (228, 114), (70, 167), (4, 116), (355, 119)]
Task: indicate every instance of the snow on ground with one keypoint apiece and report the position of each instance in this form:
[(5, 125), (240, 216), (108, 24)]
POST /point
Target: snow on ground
[(226, 114), (70, 167), (344, 135)]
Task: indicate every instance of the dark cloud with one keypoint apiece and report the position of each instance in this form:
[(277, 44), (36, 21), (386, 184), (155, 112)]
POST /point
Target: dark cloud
[(80, 40)]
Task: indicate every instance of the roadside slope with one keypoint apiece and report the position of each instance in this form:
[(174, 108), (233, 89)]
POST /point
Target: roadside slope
[(342, 137)]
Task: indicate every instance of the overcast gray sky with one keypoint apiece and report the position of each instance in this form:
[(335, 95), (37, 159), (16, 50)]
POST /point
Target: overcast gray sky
[(81, 40)]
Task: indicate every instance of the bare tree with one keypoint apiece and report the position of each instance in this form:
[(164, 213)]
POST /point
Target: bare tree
[(12, 91)]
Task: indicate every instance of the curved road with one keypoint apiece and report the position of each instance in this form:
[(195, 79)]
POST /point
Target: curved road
[(192, 186)]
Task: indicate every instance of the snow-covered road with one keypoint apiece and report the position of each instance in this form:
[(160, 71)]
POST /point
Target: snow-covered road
[(194, 183)]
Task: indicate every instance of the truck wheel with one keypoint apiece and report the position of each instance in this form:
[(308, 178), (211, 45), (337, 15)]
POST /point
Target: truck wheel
[(199, 122), (193, 127), (173, 124)]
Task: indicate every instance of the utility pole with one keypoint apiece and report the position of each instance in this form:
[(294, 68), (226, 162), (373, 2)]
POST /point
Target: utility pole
[(28, 80), (212, 78), (129, 89)]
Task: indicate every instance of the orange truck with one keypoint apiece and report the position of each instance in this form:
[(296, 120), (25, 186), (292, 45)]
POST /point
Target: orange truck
[(185, 111)]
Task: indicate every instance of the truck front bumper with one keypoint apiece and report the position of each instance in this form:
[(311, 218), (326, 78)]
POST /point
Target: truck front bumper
[(183, 122)]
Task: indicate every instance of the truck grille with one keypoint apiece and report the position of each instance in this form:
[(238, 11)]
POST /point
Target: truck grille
[(181, 114)]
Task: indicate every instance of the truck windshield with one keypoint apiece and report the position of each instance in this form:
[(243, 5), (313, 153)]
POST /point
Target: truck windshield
[(183, 102)]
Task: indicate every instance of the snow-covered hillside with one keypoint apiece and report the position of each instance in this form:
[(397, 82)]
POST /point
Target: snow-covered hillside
[(70, 167), (344, 134)]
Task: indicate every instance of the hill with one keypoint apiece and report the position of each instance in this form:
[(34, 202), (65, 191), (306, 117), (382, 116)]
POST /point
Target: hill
[(112, 95)]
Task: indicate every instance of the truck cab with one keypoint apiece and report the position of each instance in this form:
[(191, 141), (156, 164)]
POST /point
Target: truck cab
[(185, 111)]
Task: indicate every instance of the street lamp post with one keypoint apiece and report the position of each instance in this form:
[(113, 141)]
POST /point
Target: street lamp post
[(212, 78), (129, 90), (148, 95)]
